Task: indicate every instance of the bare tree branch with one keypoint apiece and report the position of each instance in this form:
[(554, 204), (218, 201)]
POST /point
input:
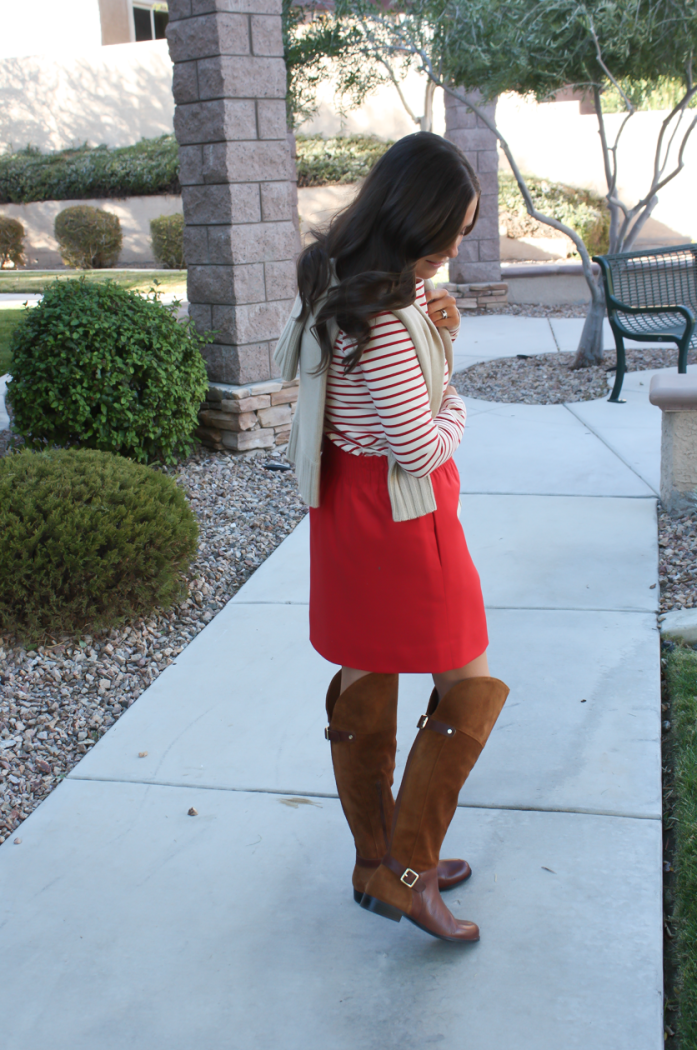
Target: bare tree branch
[(599, 55)]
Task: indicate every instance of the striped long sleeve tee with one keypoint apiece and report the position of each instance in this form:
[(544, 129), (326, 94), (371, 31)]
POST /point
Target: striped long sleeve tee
[(383, 403)]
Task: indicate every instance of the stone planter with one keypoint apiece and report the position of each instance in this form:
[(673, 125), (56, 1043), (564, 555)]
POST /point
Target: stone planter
[(240, 418)]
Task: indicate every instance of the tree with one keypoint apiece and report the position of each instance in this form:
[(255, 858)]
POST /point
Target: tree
[(534, 48), (321, 47)]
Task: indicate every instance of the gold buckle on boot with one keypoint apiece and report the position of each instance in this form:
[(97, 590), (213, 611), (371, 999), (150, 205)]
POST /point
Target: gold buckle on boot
[(409, 874)]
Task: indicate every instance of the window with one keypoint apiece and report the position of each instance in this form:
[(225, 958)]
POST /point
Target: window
[(149, 21)]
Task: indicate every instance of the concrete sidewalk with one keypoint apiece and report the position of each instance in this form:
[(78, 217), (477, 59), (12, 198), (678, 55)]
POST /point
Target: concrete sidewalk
[(127, 923)]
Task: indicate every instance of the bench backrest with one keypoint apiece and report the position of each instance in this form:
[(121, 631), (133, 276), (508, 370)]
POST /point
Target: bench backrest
[(659, 277)]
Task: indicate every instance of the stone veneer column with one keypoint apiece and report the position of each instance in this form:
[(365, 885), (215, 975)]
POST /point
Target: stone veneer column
[(479, 258), (236, 171)]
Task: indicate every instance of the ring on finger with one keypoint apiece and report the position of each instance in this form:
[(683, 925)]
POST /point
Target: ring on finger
[(444, 314)]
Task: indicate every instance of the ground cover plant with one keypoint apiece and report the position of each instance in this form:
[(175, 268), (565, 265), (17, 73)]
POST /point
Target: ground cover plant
[(340, 159), (37, 281), (680, 759), (150, 166), (100, 367), (87, 539), (583, 210)]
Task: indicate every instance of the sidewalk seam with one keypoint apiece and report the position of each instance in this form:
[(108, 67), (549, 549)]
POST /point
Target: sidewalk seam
[(318, 794), (609, 446)]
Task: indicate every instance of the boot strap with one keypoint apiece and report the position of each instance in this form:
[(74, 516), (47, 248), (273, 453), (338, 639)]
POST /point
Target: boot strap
[(338, 735), (426, 722), (367, 862), (408, 876)]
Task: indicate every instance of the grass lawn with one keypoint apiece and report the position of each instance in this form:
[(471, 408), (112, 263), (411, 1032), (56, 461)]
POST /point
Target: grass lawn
[(22, 282), (681, 674), (10, 316)]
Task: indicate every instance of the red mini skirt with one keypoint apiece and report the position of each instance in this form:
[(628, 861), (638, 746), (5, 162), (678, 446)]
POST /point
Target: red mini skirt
[(388, 596)]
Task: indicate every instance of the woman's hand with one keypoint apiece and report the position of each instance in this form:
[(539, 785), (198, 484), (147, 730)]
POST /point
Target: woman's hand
[(442, 309)]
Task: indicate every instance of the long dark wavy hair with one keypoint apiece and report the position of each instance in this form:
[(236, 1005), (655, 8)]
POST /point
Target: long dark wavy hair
[(411, 205)]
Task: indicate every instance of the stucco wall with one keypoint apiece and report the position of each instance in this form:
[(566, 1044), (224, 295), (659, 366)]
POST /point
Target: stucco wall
[(113, 95), (381, 114)]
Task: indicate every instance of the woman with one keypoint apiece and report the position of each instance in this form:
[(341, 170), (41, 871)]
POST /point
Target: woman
[(392, 585)]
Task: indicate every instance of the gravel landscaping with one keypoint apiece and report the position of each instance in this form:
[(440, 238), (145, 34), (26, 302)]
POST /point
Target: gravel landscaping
[(677, 563), (56, 701), (546, 379)]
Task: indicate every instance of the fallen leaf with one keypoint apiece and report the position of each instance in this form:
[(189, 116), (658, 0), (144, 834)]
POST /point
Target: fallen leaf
[(295, 802), (142, 754), (193, 812), (17, 842)]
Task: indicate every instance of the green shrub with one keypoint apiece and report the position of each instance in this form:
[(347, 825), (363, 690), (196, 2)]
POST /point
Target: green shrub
[(86, 539), (151, 166), (89, 238), (11, 241), (583, 210), (167, 237), (98, 366), (322, 162)]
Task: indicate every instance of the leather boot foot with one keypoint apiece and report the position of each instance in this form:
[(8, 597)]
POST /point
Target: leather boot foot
[(452, 873), (421, 903)]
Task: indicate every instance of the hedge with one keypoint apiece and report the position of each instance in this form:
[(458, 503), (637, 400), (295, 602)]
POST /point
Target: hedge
[(149, 167)]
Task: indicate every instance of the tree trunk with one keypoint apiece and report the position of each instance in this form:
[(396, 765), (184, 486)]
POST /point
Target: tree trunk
[(427, 119), (590, 347)]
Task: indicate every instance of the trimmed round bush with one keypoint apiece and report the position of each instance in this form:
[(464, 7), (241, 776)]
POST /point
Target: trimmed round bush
[(11, 241), (89, 238), (88, 539), (101, 367), (167, 238)]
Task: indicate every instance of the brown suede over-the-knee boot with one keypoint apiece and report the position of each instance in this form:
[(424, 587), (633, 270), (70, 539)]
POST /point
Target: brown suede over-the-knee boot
[(363, 733), (445, 751)]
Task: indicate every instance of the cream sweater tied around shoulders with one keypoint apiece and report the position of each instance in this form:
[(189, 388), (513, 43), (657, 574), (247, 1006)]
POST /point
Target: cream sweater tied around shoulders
[(298, 348)]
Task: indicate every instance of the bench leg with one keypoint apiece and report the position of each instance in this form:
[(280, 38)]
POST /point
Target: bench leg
[(619, 374), (683, 348)]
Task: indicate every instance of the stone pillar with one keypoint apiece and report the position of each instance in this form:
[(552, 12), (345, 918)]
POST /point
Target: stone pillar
[(236, 171), (676, 396), (479, 259)]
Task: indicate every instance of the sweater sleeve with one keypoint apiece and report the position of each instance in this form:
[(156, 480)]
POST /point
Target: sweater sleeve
[(397, 388)]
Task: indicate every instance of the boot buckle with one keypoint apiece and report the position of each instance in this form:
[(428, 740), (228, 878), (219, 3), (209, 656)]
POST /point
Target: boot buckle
[(326, 733), (409, 878), (421, 724)]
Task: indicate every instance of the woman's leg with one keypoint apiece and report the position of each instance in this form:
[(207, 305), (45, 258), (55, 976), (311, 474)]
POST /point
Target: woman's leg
[(349, 675), (477, 668)]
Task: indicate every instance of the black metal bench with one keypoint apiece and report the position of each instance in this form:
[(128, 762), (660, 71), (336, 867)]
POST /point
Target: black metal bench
[(651, 297)]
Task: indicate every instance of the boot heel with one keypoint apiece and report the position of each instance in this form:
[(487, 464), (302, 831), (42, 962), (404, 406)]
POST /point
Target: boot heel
[(380, 908), (357, 896)]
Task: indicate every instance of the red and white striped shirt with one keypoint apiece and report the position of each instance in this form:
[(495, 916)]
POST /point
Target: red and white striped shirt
[(383, 403)]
